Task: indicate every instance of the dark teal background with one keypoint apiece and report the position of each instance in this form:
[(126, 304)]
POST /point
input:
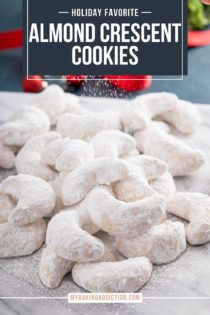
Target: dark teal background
[(195, 87)]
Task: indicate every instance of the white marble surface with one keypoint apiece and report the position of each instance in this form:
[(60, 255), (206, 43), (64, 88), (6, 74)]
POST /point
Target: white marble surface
[(182, 287)]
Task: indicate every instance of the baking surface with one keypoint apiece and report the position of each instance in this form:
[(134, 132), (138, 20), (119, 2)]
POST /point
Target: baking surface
[(188, 276)]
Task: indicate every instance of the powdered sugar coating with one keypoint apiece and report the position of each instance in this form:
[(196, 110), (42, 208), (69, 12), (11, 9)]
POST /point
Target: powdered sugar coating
[(73, 106), (65, 155), (121, 276), (153, 104), (66, 235), (21, 240), (136, 185), (185, 117), (7, 157), (180, 157), (24, 124), (34, 198), (161, 244), (133, 118), (29, 159), (6, 206), (120, 218), (164, 185), (157, 282), (195, 208), (52, 101), (86, 126), (112, 143), (52, 268), (102, 171)]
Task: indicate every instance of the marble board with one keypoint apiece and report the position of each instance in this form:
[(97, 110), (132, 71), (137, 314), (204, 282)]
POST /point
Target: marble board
[(182, 287)]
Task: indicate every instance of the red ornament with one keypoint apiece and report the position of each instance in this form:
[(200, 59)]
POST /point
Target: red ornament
[(130, 83), (75, 79), (33, 84), (11, 39), (198, 38)]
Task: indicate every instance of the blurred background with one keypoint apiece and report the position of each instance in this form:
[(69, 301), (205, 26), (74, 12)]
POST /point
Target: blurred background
[(195, 87)]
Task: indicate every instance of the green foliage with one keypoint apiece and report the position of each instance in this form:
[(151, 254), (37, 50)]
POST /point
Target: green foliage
[(198, 15)]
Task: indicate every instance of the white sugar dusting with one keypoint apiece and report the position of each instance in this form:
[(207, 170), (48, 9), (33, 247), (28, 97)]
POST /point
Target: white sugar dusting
[(189, 275)]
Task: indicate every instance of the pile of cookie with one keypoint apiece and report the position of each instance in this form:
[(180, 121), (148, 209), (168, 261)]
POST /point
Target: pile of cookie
[(79, 172)]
